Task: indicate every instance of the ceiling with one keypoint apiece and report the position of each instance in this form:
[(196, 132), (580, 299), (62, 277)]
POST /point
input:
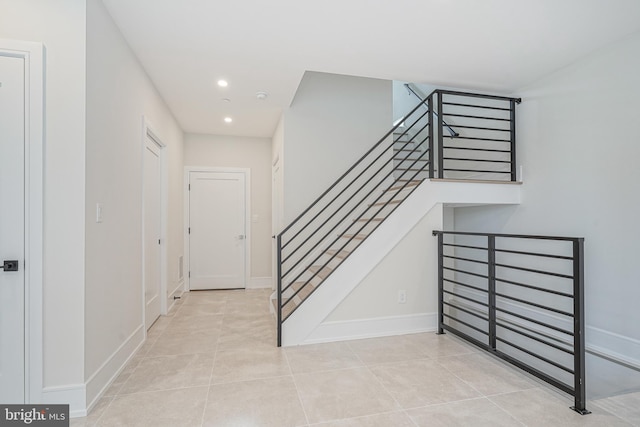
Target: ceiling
[(186, 46)]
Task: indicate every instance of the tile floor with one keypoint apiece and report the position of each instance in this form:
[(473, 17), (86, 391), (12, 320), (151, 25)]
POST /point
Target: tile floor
[(213, 362)]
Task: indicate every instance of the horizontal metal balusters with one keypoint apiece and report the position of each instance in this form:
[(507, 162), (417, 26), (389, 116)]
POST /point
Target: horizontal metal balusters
[(520, 297), (329, 230)]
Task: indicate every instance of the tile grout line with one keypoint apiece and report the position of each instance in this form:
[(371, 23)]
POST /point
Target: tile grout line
[(482, 394), (607, 410), (213, 365), (116, 394), (399, 406), (295, 385)]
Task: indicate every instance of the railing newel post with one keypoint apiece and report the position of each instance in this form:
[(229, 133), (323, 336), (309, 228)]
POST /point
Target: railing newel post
[(279, 289), (440, 281), (579, 375), (512, 133), (491, 275), (430, 136), (440, 137)]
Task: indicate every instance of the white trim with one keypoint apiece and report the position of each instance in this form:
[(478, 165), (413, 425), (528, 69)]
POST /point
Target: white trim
[(73, 395), (149, 132), (104, 376), (247, 217), (34, 59), (613, 345), (177, 291), (260, 283), (370, 328)]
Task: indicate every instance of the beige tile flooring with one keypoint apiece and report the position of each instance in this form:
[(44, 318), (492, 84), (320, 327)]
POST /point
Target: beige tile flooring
[(213, 362)]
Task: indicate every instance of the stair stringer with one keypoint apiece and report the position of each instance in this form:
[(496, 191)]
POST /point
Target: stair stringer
[(315, 309)]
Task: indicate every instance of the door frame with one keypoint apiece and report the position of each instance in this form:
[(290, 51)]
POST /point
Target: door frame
[(33, 55), (149, 131), (277, 214), (247, 218)]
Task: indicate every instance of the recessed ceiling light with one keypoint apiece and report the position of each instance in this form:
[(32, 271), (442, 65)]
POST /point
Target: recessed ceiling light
[(223, 83), (228, 119), (261, 95), (226, 100)]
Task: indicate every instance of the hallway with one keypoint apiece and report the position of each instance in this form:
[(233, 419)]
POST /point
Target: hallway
[(213, 362)]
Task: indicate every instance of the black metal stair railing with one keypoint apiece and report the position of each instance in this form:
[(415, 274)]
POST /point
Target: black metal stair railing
[(519, 297), (335, 224)]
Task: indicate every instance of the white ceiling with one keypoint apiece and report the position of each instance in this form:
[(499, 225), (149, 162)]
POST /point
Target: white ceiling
[(266, 45)]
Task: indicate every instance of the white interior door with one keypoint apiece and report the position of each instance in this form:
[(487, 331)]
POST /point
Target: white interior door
[(152, 231), (217, 230), (12, 237)]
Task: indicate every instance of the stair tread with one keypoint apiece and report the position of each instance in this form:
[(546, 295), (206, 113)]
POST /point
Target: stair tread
[(413, 150), (390, 202), (369, 219), (322, 272), (287, 309), (298, 285), (356, 237), (411, 184), (340, 255), (304, 289)]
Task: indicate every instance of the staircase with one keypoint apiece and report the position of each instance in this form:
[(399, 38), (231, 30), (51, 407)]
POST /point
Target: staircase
[(368, 206)]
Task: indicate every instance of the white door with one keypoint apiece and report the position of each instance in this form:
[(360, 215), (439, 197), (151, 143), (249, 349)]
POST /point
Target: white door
[(217, 237), (12, 146), (152, 231)]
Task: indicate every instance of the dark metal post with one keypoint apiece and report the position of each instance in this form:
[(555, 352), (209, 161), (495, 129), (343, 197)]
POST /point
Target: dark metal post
[(578, 328), (491, 265), (512, 134), (440, 138), (440, 281), (432, 154), (279, 290)]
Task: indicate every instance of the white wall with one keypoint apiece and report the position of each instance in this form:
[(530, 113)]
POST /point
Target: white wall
[(412, 266), (333, 120), (119, 94), (242, 152), (578, 142), (60, 25)]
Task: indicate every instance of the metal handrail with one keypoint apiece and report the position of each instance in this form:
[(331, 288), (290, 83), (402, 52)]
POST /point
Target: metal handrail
[(344, 175), (452, 132)]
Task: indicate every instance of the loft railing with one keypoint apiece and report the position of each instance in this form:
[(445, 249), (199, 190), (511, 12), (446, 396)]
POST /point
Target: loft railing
[(413, 92), (519, 297), (335, 224)]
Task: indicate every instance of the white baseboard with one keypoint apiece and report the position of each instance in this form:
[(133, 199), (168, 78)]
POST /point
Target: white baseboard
[(100, 380), (371, 328), (613, 345), (72, 395), (607, 343), (178, 291), (260, 282)]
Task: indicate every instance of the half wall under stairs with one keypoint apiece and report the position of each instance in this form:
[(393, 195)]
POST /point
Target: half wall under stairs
[(309, 322)]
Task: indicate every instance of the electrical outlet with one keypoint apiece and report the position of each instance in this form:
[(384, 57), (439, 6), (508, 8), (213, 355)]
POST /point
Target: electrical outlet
[(402, 297)]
